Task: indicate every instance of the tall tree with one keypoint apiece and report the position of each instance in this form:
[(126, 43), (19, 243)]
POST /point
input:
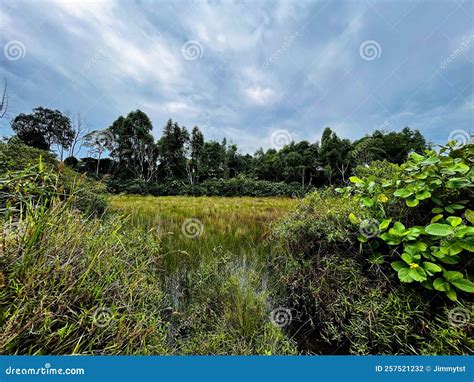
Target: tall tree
[(172, 149), (44, 128), (4, 101)]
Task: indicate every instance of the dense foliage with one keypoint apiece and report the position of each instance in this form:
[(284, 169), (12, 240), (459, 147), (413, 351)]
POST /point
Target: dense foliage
[(433, 240), (180, 162)]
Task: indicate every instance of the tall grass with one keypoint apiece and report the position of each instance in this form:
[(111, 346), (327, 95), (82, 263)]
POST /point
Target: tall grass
[(133, 283)]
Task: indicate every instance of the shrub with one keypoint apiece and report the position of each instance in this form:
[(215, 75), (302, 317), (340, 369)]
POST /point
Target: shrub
[(433, 246), (345, 297)]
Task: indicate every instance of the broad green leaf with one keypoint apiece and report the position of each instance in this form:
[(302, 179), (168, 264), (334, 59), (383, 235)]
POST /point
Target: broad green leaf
[(452, 275), (397, 265), (431, 267), (467, 244), (469, 215), (382, 198), (404, 275), (368, 202), (355, 179), (362, 238), (403, 193), (454, 221), (458, 183), (412, 202), (464, 284), (407, 258), (451, 293), (436, 218), (422, 195), (430, 161), (441, 284), (417, 274), (437, 210), (437, 229), (385, 223)]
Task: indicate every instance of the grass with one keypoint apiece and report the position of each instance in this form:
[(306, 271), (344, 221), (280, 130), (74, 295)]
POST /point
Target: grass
[(134, 283)]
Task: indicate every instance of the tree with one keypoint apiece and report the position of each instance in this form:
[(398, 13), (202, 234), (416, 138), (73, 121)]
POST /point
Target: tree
[(98, 141), (131, 138), (44, 128), (194, 167), (80, 128), (172, 149), (335, 154)]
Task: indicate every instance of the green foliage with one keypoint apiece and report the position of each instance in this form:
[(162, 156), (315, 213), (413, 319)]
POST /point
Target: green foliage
[(435, 248), (349, 300)]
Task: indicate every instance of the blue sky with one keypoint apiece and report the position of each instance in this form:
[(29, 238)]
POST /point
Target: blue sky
[(245, 70)]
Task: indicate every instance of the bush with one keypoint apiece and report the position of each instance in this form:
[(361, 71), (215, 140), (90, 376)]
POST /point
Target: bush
[(240, 186), (348, 295), (433, 245), (22, 167)]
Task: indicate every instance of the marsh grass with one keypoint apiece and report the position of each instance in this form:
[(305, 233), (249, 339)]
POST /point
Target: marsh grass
[(132, 283)]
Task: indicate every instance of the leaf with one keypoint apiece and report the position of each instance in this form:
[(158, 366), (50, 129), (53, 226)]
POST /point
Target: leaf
[(368, 202), (397, 265), (431, 268), (452, 275), (467, 244), (382, 198), (404, 275), (436, 210), (422, 195), (441, 284), (403, 193), (458, 183), (429, 161), (437, 229), (456, 206), (412, 202), (355, 179), (451, 293), (469, 215), (407, 258), (362, 238), (436, 218), (385, 223), (418, 274), (353, 219), (464, 284), (454, 221)]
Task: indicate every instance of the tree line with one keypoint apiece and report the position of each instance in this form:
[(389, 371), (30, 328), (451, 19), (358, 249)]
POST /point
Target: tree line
[(127, 151)]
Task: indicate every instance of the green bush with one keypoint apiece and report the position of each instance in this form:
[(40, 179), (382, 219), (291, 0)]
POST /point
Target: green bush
[(434, 246), (347, 294)]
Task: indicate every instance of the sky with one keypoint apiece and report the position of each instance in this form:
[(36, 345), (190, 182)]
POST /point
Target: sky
[(260, 73)]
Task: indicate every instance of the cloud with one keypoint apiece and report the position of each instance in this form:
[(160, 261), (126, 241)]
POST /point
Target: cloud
[(106, 58)]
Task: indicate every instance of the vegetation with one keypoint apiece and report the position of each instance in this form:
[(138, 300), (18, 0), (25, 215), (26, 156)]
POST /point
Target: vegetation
[(183, 163), (379, 267)]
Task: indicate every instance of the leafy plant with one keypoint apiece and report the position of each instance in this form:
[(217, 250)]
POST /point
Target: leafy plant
[(437, 187)]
